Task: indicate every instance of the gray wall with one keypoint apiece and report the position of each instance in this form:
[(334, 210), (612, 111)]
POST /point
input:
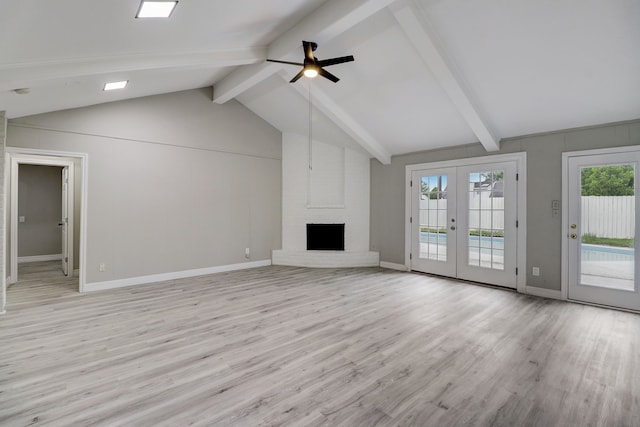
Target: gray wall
[(544, 184), (40, 203), (175, 181)]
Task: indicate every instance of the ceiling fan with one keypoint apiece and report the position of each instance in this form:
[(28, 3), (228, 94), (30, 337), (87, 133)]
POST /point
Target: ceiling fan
[(312, 66)]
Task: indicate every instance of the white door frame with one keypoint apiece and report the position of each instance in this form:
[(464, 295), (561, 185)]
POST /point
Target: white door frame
[(18, 156), (521, 162), (564, 280)]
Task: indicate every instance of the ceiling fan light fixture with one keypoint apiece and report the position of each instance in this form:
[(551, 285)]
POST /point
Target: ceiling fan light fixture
[(156, 9), (310, 72)]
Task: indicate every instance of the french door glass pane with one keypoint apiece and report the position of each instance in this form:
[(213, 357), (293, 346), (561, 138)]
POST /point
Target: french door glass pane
[(486, 219), (433, 217), (607, 255)]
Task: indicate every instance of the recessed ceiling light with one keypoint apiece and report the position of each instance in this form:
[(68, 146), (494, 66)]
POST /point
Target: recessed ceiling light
[(156, 9), (116, 85)]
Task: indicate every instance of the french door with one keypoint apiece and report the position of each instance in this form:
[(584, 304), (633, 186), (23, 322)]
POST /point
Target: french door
[(601, 221), (464, 222)]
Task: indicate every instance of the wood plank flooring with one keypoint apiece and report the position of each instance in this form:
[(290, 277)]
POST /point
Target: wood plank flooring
[(310, 347)]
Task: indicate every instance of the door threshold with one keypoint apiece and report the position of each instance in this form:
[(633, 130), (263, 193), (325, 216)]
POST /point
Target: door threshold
[(470, 282), (610, 307)]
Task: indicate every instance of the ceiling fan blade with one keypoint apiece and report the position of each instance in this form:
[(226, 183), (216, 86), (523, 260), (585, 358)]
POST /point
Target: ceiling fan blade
[(285, 62), (308, 50), (297, 77), (327, 75), (334, 61)]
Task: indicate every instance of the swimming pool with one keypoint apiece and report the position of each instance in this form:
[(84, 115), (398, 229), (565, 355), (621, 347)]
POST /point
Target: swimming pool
[(589, 252), (606, 253)]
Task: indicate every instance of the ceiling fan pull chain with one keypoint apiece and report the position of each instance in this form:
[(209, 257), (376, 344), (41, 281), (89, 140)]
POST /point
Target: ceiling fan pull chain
[(310, 130)]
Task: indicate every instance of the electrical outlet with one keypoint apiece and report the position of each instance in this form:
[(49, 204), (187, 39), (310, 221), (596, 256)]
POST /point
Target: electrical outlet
[(535, 271), (102, 267), (247, 252)]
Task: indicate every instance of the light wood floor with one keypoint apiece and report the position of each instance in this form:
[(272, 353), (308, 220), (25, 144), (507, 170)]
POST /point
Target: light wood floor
[(292, 346)]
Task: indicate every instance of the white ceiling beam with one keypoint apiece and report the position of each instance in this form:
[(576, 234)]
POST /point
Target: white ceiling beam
[(343, 120), (328, 21), (417, 29), (13, 76)]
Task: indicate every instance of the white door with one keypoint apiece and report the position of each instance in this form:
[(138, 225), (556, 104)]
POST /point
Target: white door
[(601, 219), (464, 222), (65, 221), (433, 221)]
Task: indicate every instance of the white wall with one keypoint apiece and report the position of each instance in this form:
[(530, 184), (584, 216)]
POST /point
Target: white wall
[(175, 182), (318, 197)]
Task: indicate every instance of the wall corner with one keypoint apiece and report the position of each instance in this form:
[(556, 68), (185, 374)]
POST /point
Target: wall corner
[(3, 215)]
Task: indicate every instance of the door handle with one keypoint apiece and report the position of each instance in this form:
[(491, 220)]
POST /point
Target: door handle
[(574, 236), (453, 227)]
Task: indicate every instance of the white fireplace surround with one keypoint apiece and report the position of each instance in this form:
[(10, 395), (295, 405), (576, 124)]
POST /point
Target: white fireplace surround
[(325, 259), (335, 190)]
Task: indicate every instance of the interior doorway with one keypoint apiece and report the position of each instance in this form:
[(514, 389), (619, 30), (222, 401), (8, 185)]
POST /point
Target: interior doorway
[(69, 218), (41, 201)]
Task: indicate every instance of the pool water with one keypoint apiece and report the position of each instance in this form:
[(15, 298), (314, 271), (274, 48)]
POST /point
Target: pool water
[(606, 253), (589, 252)]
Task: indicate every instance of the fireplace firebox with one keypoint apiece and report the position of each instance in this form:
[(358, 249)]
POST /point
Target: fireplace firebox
[(325, 237)]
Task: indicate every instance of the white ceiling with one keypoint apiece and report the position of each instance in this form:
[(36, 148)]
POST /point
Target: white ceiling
[(428, 73)]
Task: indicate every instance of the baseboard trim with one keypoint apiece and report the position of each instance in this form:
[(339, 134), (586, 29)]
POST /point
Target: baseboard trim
[(393, 266), (39, 258), (545, 293), (132, 281)]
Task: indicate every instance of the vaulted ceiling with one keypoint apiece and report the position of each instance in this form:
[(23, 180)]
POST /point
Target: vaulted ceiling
[(428, 73)]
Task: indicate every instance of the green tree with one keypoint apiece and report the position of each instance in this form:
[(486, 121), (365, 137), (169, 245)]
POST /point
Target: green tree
[(433, 193), (608, 181), (486, 177)]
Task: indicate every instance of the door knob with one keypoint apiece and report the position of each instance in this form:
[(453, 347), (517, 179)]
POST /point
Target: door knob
[(574, 236), (453, 227), (573, 226)]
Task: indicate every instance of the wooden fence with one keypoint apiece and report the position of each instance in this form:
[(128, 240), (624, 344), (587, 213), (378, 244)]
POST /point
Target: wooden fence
[(609, 216), (484, 213), (603, 216)]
